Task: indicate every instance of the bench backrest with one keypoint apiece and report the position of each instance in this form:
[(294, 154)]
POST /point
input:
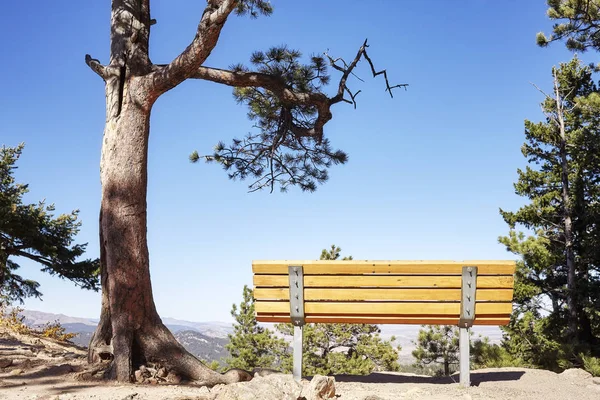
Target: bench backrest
[(384, 292)]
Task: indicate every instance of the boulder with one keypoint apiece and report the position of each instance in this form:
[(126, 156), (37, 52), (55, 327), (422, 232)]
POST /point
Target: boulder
[(320, 388), (271, 387)]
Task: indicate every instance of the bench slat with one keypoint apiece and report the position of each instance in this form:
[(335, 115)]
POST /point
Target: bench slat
[(381, 319), (385, 308), (320, 267), (449, 282), (331, 294)]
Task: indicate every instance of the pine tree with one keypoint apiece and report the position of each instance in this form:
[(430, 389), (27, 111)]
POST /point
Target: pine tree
[(578, 24), (440, 345), (437, 344), (557, 290), (31, 231), (252, 346), (286, 97), (344, 348)]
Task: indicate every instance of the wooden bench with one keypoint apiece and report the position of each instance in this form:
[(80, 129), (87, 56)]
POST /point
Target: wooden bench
[(462, 293)]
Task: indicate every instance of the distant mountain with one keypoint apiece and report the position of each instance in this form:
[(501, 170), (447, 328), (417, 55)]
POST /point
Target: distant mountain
[(202, 346), (37, 318), (210, 328), (205, 340)]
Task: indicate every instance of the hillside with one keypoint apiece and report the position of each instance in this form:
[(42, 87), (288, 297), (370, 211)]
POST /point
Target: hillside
[(205, 340), (38, 368)]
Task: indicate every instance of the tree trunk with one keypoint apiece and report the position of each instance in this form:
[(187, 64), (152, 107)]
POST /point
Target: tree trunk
[(130, 332), (446, 368), (567, 217)]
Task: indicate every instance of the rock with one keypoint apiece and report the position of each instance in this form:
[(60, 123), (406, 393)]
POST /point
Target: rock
[(575, 374), (17, 371), (373, 397), (593, 387), (320, 388), (272, 387), (139, 376), (5, 362), (162, 373), (596, 380), (153, 381), (25, 362), (264, 372), (173, 378)]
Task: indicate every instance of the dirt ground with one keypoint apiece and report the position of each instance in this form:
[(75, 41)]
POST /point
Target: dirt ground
[(36, 368)]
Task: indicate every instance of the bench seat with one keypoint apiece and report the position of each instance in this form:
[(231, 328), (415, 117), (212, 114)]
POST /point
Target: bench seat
[(462, 293), (384, 292)]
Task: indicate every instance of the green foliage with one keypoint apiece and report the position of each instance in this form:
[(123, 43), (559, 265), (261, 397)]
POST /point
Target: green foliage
[(355, 349), (577, 24), (487, 355), (31, 231), (252, 346), (254, 8), (214, 365), (591, 364), (537, 334), (284, 151), (437, 344)]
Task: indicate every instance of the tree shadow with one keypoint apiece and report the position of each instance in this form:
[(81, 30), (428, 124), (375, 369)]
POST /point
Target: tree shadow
[(476, 378)]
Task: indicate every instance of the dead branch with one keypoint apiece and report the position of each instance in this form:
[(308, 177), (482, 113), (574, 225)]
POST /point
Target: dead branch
[(103, 71)]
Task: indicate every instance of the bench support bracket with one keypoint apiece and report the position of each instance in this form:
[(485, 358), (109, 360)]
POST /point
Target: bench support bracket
[(467, 316), (296, 274)]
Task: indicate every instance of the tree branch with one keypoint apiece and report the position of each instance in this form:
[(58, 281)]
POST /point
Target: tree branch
[(207, 35), (103, 71)]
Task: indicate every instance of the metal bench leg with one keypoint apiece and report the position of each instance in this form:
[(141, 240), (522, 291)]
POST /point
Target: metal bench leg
[(464, 343), (297, 367)]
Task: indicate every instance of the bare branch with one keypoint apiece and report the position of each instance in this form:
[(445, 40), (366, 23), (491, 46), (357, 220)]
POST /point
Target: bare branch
[(388, 88), (103, 71)]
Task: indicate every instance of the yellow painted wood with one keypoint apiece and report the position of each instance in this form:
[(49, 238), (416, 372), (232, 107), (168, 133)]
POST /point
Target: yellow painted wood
[(349, 267), (336, 294), (413, 320), (348, 281), (387, 308)]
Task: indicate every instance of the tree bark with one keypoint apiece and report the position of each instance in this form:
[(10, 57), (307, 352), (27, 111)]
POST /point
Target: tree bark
[(130, 332)]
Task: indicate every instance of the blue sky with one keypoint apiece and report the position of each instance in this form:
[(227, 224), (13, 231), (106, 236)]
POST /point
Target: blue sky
[(427, 173)]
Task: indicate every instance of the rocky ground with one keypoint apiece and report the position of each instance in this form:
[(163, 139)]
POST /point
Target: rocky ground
[(38, 368)]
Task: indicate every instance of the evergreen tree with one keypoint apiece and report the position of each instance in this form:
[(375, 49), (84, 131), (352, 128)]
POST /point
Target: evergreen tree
[(440, 345), (253, 346), (437, 344), (557, 289), (344, 348), (31, 231), (578, 24)]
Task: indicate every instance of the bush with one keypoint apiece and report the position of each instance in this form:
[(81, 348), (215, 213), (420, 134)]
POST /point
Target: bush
[(12, 321), (54, 330), (591, 364)]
